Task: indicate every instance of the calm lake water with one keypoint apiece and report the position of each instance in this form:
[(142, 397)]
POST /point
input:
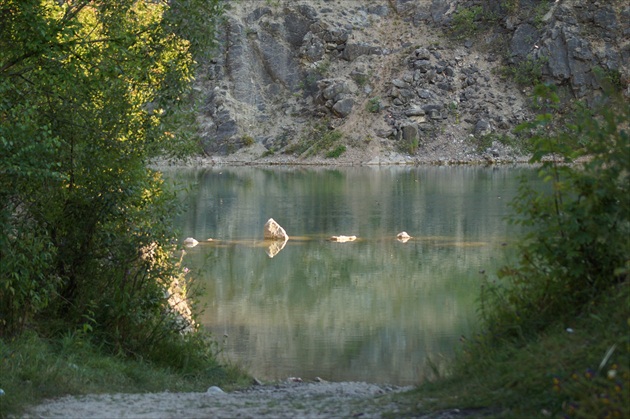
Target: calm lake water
[(370, 310)]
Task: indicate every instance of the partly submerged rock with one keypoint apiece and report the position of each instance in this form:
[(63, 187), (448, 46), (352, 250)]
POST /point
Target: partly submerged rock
[(273, 231), (403, 236), (190, 242), (342, 239)]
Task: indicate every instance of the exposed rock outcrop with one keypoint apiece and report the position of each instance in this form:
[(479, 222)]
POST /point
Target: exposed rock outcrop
[(396, 79)]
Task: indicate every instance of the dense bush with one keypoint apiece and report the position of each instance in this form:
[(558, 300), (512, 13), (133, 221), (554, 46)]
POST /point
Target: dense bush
[(576, 246), (89, 92)]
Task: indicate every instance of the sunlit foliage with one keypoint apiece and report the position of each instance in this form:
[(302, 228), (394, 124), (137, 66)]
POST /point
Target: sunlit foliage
[(89, 92)]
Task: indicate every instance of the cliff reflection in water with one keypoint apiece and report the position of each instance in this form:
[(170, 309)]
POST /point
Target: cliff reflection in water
[(369, 310)]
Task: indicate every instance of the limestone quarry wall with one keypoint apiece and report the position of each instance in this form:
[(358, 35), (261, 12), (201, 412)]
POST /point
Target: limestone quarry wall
[(412, 76)]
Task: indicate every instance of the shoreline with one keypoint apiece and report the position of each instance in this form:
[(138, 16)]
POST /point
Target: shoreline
[(243, 159)]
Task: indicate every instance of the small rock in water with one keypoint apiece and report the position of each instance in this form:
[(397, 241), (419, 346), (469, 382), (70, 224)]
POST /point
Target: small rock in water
[(215, 390), (273, 231), (1, 392), (343, 239), (190, 242), (403, 237)]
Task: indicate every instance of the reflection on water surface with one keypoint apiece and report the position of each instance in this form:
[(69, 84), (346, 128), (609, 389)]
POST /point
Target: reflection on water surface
[(373, 309)]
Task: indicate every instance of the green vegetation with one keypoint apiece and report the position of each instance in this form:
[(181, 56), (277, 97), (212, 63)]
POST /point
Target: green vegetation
[(248, 140), (320, 71), (517, 142), (527, 72), (338, 151), (374, 105), (578, 244), (539, 12), (611, 78), (409, 146), (319, 138), (90, 91), (470, 21), (557, 374), (273, 3), (510, 6), (32, 368), (362, 79), (555, 321), (453, 109), (466, 21)]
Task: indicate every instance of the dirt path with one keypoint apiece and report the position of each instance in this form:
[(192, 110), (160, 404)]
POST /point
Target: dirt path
[(285, 400)]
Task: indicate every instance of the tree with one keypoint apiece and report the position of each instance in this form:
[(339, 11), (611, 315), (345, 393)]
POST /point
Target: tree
[(89, 90)]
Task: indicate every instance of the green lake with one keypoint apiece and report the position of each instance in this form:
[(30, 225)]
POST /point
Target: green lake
[(375, 309)]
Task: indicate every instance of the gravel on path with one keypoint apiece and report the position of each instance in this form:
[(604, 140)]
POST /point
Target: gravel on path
[(283, 400)]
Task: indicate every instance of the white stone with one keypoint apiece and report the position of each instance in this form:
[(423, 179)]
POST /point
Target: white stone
[(190, 242), (403, 237), (215, 390), (273, 231), (343, 239)]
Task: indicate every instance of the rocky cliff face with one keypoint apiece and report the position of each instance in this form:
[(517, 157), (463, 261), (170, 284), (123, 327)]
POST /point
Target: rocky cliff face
[(382, 81)]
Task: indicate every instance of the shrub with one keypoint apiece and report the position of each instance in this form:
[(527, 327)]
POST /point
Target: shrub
[(338, 151), (317, 138), (527, 72), (409, 146), (576, 245), (374, 105), (465, 21), (248, 140)]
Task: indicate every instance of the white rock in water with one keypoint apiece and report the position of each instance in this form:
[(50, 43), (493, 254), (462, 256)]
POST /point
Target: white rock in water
[(273, 231), (190, 242), (403, 237), (215, 390), (343, 239)]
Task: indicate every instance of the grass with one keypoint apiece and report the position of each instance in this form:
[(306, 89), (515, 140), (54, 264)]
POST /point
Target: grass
[(374, 105), (527, 72), (464, 21), (519, 143), (316, 139), (33, 368), (580, 370), (336, 152)]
